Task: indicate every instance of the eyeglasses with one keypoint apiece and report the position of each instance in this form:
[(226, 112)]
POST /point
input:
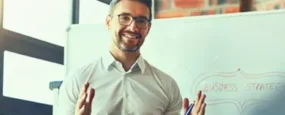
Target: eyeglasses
[(126, 20)]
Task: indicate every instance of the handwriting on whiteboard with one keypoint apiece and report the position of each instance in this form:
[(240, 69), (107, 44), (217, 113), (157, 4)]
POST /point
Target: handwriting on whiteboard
[(233, 87), (239, 88)]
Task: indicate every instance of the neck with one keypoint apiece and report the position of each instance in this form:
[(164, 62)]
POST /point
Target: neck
[(126, 58)]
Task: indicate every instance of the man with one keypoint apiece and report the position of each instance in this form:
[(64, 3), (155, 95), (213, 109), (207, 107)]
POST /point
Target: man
[(125, 83)]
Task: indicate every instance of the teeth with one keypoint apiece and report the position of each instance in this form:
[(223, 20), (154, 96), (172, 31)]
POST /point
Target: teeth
[(130, 36)]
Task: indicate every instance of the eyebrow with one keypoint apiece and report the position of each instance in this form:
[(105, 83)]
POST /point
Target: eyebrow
[(125, 13)]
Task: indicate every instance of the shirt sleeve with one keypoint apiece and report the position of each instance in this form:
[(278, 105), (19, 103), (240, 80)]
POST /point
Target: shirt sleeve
[(68, 95), (175, 103)]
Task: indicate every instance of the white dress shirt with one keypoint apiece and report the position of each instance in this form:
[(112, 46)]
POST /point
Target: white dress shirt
[(143, 90)]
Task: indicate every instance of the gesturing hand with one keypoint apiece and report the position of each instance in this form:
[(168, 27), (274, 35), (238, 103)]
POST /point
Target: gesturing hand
[(84, 103), (199, 105)]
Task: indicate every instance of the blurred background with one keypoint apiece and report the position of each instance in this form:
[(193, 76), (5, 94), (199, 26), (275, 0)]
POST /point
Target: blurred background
[(33, 39)]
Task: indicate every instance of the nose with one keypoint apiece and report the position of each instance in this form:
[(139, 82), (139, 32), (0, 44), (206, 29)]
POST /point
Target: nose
[(133, 27)]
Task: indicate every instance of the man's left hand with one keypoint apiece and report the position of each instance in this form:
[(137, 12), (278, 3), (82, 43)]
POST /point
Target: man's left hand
[(199, 105)]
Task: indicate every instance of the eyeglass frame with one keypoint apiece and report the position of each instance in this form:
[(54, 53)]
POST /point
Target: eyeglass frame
[(133, 18)]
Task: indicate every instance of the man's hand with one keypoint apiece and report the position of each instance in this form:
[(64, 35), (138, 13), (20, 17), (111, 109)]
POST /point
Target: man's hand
[(84, 103), (199, 105)]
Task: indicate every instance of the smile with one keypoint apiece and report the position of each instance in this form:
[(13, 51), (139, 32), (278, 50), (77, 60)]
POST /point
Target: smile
[(131, 36)]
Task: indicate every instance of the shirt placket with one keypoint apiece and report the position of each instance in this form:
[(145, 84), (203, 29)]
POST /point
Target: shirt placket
[(126, 100)]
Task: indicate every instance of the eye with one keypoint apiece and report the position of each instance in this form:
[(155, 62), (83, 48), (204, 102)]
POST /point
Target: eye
[(141, 20), (125, 18)]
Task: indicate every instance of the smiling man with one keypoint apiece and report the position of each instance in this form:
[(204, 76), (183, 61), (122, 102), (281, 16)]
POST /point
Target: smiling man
[(124, 82)]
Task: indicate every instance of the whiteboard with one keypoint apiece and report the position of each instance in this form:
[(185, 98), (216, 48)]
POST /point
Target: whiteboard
[(238, 60)]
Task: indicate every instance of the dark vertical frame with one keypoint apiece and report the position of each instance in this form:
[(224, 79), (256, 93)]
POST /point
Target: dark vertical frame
[(1, 50), (1, 14), (246, 5), (75, 11)]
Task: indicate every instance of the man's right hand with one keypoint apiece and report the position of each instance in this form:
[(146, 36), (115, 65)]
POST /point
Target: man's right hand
[(84, 103)]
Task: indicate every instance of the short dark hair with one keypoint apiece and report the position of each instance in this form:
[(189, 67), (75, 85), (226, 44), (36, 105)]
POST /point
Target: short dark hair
[(148, 3)]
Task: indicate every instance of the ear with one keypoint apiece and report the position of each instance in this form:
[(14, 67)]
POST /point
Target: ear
[(108, 22)]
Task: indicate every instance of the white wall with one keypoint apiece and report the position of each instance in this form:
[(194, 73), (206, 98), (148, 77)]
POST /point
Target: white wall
[(92, 12)]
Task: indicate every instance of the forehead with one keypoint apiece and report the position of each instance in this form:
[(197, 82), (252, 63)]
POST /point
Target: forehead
[(133, 7)]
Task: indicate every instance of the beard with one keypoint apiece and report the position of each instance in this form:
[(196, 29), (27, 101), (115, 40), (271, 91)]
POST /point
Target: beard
[(124, 39)]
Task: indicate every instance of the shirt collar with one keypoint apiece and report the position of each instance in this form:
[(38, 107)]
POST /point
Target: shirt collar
[(108, 60), (140, 61)]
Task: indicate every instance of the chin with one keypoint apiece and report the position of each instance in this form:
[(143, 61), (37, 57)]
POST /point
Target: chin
[(129, 49)]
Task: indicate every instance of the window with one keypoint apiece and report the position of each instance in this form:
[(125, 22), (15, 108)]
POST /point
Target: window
[(32, 41), (46, 20), (28, 78)]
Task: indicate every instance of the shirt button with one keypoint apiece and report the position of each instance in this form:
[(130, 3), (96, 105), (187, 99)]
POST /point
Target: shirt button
[(126, 95)]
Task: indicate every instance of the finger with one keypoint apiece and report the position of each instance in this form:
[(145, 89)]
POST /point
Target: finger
[(197, 100), (84, 89), (88, 104), (91, 95), (185, 104), (82, 110), (201, 102), (196, 103), (203, 107), (82, 101), (203, 99), (87, 109)]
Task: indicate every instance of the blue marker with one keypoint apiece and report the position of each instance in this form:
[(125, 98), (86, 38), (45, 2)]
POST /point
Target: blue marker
[(189, 109)]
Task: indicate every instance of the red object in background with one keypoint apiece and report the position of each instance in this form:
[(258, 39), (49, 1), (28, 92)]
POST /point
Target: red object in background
[(211, 11), (164, 4), (189, 3), (195, 13), (172, 14), (232, 9)]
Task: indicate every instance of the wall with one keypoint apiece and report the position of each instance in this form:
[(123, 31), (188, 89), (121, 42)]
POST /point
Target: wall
[(89, 13)]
